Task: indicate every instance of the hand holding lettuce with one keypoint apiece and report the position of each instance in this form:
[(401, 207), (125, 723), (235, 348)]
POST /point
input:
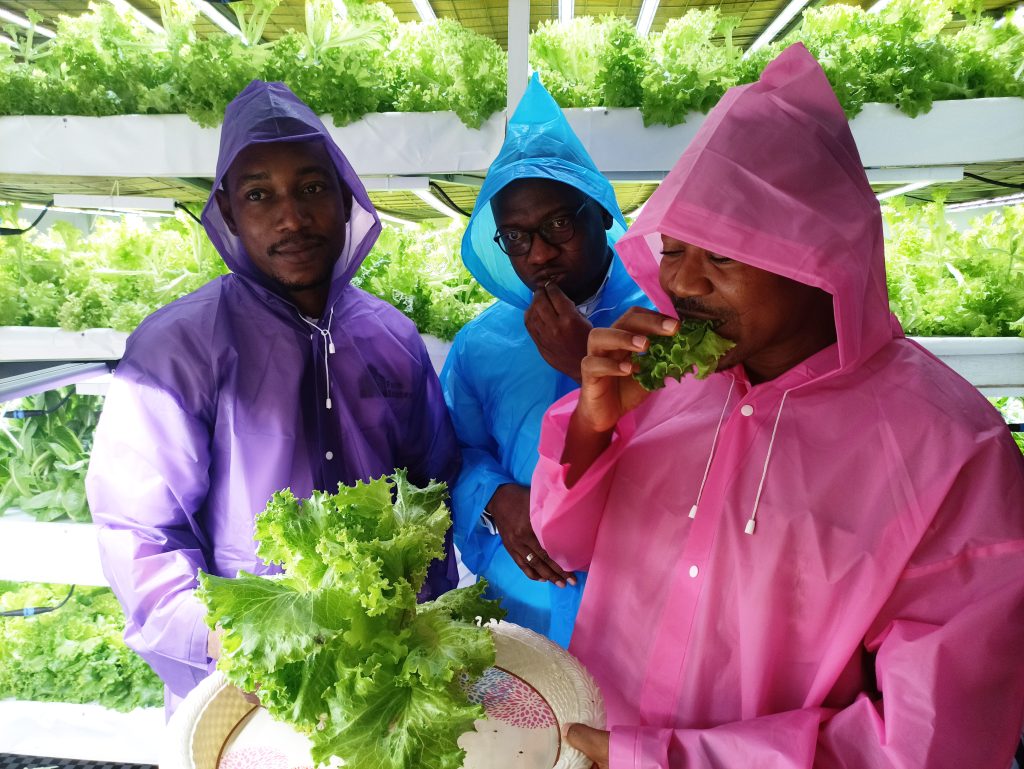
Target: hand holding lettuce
[(338, 646), (695, 349)]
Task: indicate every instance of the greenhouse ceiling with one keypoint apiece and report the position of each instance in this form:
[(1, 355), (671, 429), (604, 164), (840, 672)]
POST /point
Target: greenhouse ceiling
[(758, 22)]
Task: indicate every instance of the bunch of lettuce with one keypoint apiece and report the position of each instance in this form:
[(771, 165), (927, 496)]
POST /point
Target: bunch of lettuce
[(338, 646), (44, 458), (74, 654), (694, 349), (948, 282)]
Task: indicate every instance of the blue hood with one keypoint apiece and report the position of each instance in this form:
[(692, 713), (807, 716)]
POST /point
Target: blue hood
[(539, 144)]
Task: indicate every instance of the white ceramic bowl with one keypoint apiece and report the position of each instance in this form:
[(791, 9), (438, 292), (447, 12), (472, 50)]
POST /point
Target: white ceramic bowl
[(534, 688)]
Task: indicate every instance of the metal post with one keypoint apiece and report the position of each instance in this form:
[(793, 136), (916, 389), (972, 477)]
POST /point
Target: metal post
[(518, 50)]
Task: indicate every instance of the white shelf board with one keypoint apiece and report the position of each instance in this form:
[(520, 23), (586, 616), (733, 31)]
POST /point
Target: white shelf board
[(995, 365), (89, 732), (65, 553), (952, 133), (27, 343)]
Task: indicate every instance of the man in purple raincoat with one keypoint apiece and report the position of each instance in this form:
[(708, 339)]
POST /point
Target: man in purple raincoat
[(280, 374)]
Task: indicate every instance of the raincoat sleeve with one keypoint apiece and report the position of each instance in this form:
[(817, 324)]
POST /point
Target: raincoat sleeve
[(945, 649), (567, 519), (482, 470), (147, 480)]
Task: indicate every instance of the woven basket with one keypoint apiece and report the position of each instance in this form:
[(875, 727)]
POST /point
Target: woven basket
[(534, 688)]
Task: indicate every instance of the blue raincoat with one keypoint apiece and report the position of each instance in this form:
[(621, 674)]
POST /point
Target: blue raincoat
[(496, 383)]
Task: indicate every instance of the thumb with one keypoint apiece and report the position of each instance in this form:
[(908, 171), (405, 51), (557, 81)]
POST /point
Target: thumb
[(593, 743)]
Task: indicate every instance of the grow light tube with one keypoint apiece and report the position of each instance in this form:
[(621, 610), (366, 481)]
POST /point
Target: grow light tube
[(128, 10), (427, 197), (1005, 200), (1016, 19), (565, 10), (21, 21), (778, 24), (904, 189), (646, 17), (396, 219), (424, 10), (4, 40), (218, 18)]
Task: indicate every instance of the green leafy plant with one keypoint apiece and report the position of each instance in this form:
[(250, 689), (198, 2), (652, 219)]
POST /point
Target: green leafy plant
[(947, 282), (1012, 410), (338, 645), (73, 654), (43, 459), (694, 349)]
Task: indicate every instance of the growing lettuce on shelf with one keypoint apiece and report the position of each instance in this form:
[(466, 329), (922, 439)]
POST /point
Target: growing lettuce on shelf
[(73, 654), (338, 646)]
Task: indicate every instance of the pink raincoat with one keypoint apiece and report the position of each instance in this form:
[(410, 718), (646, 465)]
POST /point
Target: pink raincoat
[(874, 617)]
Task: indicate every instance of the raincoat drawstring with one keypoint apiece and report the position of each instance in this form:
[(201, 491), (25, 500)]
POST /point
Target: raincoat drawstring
[(752, 523), (325, 334), (714, 443)]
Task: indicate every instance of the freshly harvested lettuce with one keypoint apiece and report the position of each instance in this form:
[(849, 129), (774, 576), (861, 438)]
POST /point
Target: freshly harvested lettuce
[(695, 349), (337, 646)]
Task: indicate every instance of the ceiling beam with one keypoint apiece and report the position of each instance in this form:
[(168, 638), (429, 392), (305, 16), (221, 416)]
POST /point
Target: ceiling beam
[(646, 17)]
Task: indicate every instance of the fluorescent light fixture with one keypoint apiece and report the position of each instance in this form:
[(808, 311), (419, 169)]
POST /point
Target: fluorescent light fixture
[(92, 211), (436, 204), (128, 10), (115, 202), (879, 6), (565, 10), (21, 21), (1005, 200), (904, 189), (218, 18), (646, 17), (4, 40), (1017, 18), (778, 24), (396, 219), (909, 174), (424, 10)]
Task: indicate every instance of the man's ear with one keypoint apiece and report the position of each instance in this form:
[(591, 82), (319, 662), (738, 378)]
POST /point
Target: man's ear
[(606, 219), (224, 204)]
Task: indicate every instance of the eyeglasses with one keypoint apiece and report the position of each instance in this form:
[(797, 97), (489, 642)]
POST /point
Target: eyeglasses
[(556, 230)]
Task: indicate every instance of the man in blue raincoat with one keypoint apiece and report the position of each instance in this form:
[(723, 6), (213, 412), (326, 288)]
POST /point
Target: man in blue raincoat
[(541, 239)]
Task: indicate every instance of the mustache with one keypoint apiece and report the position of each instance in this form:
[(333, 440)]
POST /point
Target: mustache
[(301, 241)]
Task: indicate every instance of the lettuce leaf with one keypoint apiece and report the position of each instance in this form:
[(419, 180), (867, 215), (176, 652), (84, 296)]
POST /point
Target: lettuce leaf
[(337, 645), (694, 349)]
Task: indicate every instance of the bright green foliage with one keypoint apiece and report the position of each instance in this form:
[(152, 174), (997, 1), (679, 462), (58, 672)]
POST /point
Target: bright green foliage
[(444, 66), (420, 272), (73, 654), (43, 459), (338, 646), (944, 282), (1012, 410), (694, 349), (688, 69), (112, 278)]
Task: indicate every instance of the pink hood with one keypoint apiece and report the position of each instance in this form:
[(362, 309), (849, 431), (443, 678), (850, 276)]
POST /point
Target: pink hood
[(773, 179)]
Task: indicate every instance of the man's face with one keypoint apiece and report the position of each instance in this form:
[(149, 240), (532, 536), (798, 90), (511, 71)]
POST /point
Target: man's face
[(285, 203), (577, 265), (774, 321)]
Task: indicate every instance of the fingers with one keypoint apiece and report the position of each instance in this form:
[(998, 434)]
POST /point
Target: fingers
[(538, 565), (640, 320), (593, 743)]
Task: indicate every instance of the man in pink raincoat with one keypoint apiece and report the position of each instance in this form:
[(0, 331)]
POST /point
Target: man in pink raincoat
[(814, 557)]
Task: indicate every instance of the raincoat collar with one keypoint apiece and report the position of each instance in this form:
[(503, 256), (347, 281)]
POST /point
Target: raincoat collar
[(773, 179), (539, 144), (270, 112)]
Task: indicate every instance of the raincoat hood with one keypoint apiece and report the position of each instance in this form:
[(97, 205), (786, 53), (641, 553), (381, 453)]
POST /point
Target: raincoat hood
[(773, 179), (270, 112), (539, 144)]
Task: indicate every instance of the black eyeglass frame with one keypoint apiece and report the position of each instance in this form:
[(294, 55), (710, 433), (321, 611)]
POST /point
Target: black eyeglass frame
[(561, 237)]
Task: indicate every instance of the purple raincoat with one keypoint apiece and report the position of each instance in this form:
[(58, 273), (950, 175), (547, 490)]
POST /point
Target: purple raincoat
[(220, 401)]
